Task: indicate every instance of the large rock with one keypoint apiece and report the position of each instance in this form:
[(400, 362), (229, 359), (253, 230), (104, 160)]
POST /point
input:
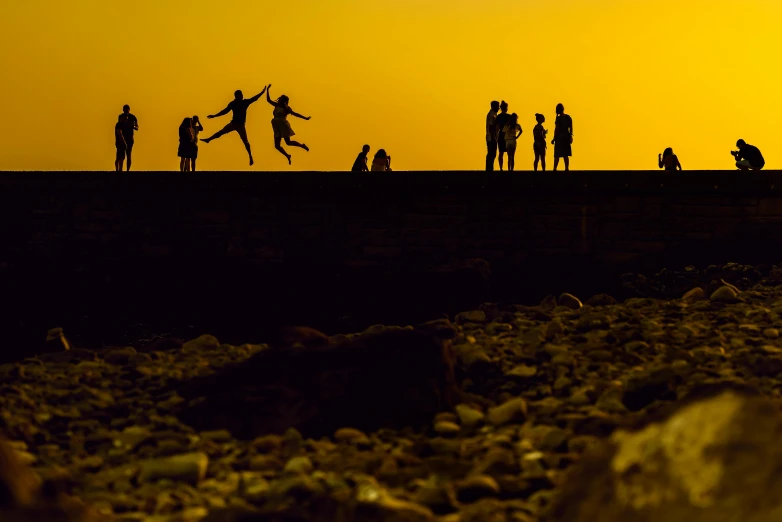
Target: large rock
[(391, 378), (713, 458)]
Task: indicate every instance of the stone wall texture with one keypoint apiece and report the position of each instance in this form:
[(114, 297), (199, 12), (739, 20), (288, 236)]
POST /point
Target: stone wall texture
[(236, 234)]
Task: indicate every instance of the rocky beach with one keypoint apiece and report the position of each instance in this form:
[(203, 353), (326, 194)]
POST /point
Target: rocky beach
[(661, 406)]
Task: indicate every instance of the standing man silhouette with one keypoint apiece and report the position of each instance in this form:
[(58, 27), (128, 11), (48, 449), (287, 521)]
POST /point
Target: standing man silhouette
[(491, 136), (239, 107), (502, 119), (130, 125)]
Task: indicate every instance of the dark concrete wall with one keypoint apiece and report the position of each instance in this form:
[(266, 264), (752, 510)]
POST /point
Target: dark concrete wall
[(191, 245)]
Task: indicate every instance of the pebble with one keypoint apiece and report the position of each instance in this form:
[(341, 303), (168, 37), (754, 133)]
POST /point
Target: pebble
[(696, 294), (477, 487), (724, 294), (299, 464), (446, 428), (188, 468), (570, 301), (352, 435), (469, 418), (514, 410)]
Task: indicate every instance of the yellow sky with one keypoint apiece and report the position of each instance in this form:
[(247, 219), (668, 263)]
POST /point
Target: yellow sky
[(412, 76)]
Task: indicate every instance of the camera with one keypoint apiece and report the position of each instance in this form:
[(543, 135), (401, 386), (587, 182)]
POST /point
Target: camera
[(734, 153)]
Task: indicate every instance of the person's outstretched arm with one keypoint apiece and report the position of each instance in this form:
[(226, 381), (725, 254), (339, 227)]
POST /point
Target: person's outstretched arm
[(269, 95), (299, 115), (255, 98), (221, 113)]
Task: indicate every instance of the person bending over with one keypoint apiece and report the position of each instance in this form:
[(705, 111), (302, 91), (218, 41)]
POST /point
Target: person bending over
[(360, 165), (748, 156)]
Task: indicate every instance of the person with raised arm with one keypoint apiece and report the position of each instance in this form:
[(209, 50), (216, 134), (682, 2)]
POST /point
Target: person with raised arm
[(239, 108), (280, 124)]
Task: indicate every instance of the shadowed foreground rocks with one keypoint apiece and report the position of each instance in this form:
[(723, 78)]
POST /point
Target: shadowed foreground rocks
[(710, 460), (383, 378), (27, 497)]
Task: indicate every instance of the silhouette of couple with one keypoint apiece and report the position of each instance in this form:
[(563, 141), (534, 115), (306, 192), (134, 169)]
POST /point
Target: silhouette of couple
[(188, 143), (380, 163), (280, 124), (123, 137), (503, 131)]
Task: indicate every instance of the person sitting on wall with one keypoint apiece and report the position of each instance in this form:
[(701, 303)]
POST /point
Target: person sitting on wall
[(360, 165), (748, 156), (381, 161), (669, 160)]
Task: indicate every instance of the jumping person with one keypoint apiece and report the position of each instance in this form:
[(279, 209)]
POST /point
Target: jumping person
[(502, 120), (539, 142), (563, 137), (119, 142), (280, 124), (239, 108), (511, 133), (669, 160), (131, 124), (360, 165)]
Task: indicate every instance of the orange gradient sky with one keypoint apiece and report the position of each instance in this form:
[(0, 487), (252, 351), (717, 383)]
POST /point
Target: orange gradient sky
[(412, 76)]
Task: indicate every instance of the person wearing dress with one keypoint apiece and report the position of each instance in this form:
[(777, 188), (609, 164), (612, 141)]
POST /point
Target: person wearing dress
[(195, 130), (185, 150), (511, 133), (280, 124), (539, 142), (563, 137), (381, 162), (669, 160)]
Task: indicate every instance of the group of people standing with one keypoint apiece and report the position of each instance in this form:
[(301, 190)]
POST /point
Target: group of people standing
[(503, 131), (190, 127)]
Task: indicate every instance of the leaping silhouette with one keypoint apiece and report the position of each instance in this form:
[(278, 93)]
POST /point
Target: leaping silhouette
[(281, 125), (239, 107)]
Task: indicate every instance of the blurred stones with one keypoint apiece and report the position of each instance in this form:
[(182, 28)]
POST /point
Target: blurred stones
[(512, 411), (569, 301), (56, 341), (725, 294), (696, 294), (714, 458), (188, 468)]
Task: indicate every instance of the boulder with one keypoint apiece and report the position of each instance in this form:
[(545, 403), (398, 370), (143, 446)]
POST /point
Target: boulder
[(714, 457)]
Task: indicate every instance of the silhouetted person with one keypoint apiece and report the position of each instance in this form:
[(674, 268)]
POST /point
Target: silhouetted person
[(119, 142), (360, 165), (131, 125), (501, 121), (196, 128), (381, 161), (510, 134), (239, 108), (539, 141), (281, 126), (748, 156), (185, 151), (563, 137), (669, 160), (491, 135)]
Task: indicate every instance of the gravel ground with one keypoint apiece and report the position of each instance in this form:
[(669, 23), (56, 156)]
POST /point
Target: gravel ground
[(539, 386)]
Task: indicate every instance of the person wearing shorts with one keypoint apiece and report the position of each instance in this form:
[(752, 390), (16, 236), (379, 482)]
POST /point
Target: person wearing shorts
[(502, 120), (239, 108), (511, 133), (130, 125)]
